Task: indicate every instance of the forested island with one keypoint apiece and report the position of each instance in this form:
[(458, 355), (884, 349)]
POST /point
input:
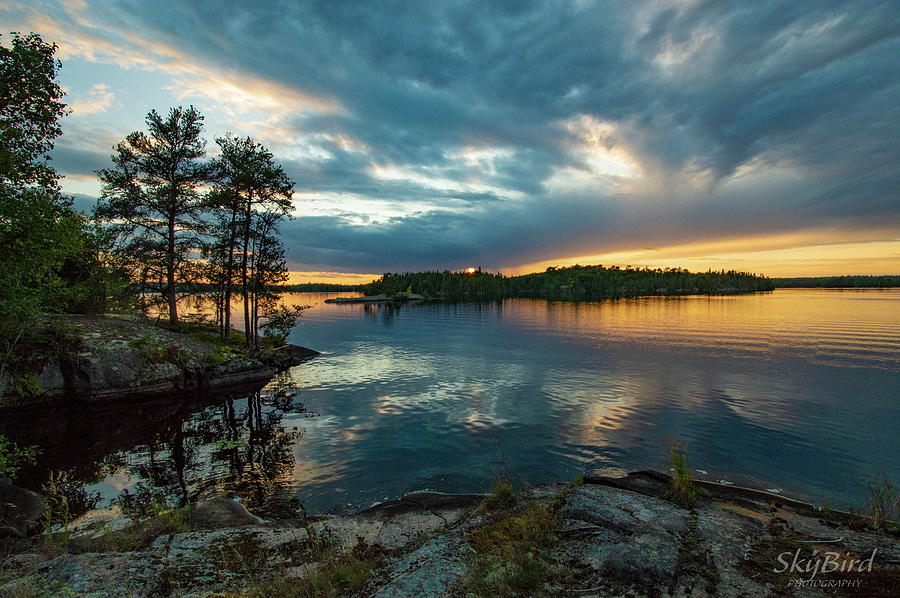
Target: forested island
[(838, 282), (582, 283)]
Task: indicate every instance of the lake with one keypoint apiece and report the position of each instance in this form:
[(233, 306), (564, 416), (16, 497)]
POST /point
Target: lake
[(796, 390)]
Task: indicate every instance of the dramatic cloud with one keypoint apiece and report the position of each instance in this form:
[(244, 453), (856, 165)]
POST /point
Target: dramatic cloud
[(438, 134), (98, 99)]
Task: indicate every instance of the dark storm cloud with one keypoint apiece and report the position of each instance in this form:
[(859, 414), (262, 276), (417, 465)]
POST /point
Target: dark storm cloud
[(707, 89)]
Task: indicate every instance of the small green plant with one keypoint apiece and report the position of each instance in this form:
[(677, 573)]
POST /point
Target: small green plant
[(219, 355), (57, 516), (141, 502), (333, 572), (28, 386), (13, 457), (560, 499), (681, 490), (510, 557), (280, 321), (32, 586), (884, 502), (502, 497), (151, 349)]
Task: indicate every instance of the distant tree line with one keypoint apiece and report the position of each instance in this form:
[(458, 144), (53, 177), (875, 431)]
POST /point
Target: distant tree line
[(837, 282), (573, 283), (320, 287)]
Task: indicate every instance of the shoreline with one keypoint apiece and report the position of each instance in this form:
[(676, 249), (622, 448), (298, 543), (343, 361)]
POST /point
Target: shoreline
[(591, 536), (123, 359)]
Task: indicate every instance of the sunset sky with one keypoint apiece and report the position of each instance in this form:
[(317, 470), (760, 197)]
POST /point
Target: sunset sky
[(761, 136)]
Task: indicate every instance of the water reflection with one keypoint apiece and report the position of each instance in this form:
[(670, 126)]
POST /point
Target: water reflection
[(792, 389), (238, 446)]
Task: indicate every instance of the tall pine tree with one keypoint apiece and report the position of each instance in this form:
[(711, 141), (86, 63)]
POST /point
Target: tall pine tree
[(151, 197)]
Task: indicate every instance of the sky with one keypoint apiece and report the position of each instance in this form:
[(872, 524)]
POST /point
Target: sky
[(761, 136)]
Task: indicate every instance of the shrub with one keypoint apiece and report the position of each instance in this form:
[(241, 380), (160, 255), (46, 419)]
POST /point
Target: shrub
[(28, 386), (681, 490), (280, 321), (13, 457), (884, 502), (219, 355), (501, 497)]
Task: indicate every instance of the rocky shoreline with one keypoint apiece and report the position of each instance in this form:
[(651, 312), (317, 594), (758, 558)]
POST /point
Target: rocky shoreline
[(122, 358), (396, 298), (595, 536)]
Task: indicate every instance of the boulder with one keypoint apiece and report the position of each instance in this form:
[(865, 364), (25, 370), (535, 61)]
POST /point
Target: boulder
[(19, 509), (218, 513)]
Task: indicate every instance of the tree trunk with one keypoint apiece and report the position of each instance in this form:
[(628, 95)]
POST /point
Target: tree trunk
[(229, 272), (251, 297), (170, 273), (244, 289)]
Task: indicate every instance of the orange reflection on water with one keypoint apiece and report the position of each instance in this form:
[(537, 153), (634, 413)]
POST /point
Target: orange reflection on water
[(826, 324)]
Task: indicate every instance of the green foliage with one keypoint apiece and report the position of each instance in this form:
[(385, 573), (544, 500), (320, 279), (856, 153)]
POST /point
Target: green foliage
[(509, 555), (13, 457), (30, 109), (560, 499), (141, 534), (883, 505), (28, 386), (838, 282), (582, 283), (252, 194), (33, 586), (280, 321), (38, 229), (50, 258), (681, 490), (142, 502), (332, 572), (149, 347), (151, 203), (57, 515), (219, 355), (509, 535), (501, 497)]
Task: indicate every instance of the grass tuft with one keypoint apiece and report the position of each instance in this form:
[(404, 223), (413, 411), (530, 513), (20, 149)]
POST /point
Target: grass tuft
[(681, 490), (884, 503), (502, 497), (328, 571), (510, 559)]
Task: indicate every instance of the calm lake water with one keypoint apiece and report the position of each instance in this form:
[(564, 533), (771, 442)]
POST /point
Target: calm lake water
[(795, 390)]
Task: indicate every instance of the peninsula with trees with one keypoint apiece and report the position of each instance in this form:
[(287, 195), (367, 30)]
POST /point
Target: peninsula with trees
[(91, 306)]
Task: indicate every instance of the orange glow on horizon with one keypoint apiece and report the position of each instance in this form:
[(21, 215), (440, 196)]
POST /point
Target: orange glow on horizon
[(800, 254), (796, 254), (331, 277)]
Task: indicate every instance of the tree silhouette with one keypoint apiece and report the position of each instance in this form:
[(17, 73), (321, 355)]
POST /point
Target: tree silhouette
[(151, 197), (250, 186)]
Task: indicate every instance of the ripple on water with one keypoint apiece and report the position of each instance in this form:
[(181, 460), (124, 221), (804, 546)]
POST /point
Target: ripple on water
[(791, 390)]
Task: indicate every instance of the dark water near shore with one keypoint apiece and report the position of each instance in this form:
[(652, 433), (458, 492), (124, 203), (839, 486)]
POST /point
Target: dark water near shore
[(796, 390)]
